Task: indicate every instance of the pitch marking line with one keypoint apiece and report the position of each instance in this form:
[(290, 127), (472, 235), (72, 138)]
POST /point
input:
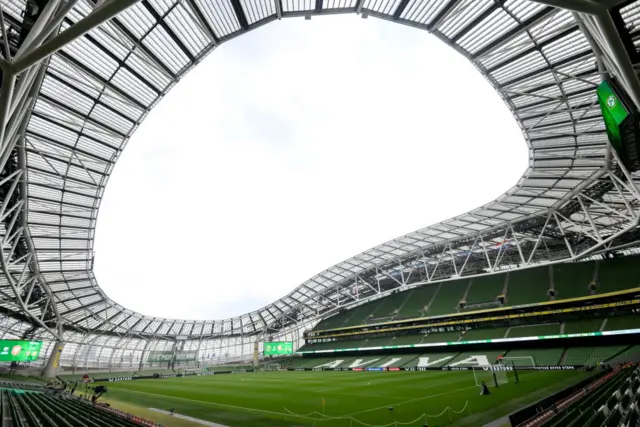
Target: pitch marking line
[(244, 408), (192, 419), (409, 401)]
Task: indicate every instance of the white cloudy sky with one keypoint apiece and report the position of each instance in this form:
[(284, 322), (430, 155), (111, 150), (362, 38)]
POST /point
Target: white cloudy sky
[(290, 149)]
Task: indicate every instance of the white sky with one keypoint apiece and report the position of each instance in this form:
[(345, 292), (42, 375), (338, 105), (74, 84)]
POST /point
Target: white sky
[(290, 149)]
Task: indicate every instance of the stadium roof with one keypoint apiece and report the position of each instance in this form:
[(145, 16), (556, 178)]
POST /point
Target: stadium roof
[(60, 145)]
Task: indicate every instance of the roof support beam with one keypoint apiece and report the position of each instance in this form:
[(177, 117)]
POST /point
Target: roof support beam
[(242, 18)]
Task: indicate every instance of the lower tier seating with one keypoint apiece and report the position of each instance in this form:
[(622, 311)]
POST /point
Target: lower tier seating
[(436, 358), (541, 357), (612, 403), (27, 409), (590, 355)]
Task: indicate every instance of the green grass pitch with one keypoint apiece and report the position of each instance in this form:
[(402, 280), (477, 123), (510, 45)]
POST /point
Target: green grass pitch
[(350, 398)]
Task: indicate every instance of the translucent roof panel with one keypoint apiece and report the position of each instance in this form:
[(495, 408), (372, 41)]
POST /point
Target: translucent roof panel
[(97, 90)]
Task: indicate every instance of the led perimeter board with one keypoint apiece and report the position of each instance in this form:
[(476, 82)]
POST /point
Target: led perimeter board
[(621, 123), (19, 351), (278, 348)]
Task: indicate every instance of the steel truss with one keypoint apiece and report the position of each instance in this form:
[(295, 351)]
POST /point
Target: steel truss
[(576, 199)]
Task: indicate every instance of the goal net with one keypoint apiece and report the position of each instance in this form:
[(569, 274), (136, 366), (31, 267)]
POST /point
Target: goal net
[(272, 367), (194, 371), (492, 375)]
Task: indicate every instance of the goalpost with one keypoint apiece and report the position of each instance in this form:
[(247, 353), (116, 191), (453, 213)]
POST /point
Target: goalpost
[(272, 367), (489, 375), (494, 375)]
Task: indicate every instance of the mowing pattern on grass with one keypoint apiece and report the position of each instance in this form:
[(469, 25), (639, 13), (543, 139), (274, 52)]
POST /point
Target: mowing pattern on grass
[(331, 398)]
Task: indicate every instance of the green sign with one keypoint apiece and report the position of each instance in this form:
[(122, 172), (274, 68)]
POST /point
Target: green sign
[(278, 348), (613, 113), (19, 351)]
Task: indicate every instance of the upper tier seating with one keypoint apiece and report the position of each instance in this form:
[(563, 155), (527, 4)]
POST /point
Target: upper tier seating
[(484, 289), (528, 286), (416, 301), (618, 274), (572, 280), (447, 298), (522, 287)]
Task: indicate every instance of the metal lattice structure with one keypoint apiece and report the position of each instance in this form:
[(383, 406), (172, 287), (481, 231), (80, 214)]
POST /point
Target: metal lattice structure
[(78, 83)]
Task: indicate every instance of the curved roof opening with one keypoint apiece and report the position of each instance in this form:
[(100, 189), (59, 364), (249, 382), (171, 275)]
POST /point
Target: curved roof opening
[(290, 149)]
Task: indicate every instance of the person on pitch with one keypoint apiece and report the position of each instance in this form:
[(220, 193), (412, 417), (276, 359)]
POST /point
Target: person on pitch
[(484, 390)]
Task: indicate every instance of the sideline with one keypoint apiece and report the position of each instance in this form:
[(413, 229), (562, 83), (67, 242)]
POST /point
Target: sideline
[(188, 418)]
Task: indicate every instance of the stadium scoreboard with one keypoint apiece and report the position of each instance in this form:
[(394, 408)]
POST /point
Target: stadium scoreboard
[(19, 351), (621, 120), (278, 348)]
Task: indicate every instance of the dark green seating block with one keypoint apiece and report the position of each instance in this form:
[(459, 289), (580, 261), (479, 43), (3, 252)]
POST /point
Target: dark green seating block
[(447, 299), (618, 274), (572, 280), (528, 286)]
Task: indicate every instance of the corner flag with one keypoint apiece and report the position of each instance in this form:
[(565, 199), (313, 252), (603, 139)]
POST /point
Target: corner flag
[(323, 402)]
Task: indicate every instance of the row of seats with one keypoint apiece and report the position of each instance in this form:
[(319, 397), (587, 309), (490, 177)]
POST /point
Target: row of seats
[(519, 287), (612, 404), (26, 409), (589, 356), (569, 327)]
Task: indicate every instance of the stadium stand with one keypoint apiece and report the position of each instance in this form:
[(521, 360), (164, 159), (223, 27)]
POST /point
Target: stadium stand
[(615, 323), (26, 409), (631, 354), (434, 360), (528, 286), (447, 298), (590, 355), (387, 307), (617, 274), (441, 337), (485, 289), (572, 280), (375, 342), (406, 339), (484, 334), (475, 358), (544, 357), (607, 404), (533, 330), (581, 326), (417, 301), (522, 287)]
